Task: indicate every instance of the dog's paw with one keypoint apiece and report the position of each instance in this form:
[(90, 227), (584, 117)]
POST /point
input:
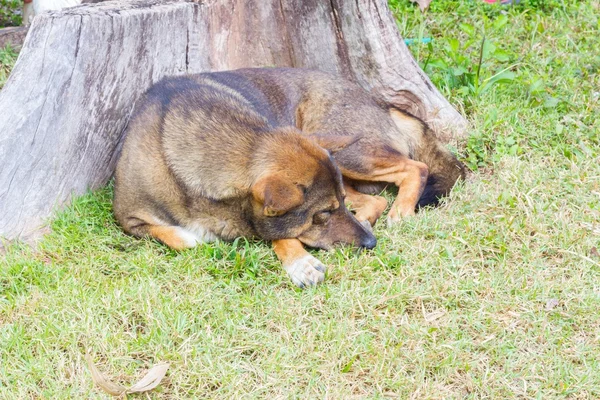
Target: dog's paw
[(398, 214), (306, 271)]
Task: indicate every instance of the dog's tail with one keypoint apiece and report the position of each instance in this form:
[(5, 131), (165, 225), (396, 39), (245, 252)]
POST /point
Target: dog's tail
[(444, 168)]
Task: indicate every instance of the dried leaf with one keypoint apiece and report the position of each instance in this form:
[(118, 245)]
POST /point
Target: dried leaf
[(434, 316), (594, 252), (551, 304), (151, 380), (423, 4), (114, 389)]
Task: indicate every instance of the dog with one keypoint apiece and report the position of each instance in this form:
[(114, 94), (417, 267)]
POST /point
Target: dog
[(275, 154)]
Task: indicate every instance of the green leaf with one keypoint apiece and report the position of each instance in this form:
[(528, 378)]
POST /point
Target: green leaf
[(537, 86), (454, 45), (439, 63), (458, 71), (540, 27), (464, 90), (468, 29), (506, 76), (488, 48), (500, 21), (551, 102), (502, 77), (501, 55), (346, 368)]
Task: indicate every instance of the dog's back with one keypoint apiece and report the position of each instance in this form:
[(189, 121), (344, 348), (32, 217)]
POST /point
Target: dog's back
[(319, 103)]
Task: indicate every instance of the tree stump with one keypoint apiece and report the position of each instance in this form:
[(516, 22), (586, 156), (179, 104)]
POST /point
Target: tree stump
[(69, 97)]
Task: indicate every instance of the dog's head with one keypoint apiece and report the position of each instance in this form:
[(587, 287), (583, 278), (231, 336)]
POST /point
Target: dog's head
[(301, 195)]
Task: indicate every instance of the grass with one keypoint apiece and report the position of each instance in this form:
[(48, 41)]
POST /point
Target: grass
[(8, 57), (10, 13), (493, 295)]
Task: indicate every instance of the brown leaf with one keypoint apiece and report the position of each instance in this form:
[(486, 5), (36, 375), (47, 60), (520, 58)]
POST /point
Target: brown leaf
[(594, 252), (114, 389), (151, 380), (423, 4)]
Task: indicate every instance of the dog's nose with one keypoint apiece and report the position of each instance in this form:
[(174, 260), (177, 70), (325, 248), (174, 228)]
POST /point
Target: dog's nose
[(368, 242)]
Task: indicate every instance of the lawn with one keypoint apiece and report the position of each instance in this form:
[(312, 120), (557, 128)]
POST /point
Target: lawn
[(495, 294), (8, 57)]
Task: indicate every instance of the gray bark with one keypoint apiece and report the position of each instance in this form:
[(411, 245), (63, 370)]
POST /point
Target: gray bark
[(68, 99)]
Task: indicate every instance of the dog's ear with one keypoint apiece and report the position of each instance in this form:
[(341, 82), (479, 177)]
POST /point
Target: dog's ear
[(334, 143), (277, 194)]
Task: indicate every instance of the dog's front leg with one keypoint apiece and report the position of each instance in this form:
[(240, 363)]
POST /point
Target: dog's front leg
[(303, 269), (366, 208)]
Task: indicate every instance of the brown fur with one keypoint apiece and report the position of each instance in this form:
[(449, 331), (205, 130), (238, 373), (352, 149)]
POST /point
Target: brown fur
[(241, 153)]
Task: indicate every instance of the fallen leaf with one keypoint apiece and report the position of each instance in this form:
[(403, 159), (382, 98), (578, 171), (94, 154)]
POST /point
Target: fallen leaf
[(151, 380), (434, 316), (114, 389), (423, 4), (551, 304), (594, 252)]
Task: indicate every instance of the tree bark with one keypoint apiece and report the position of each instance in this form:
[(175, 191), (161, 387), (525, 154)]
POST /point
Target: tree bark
[(69, 97)]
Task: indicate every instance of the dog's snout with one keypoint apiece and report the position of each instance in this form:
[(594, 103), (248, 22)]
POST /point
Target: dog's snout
[(368, 242)]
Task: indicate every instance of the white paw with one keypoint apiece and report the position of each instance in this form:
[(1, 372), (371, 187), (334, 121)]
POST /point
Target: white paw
[(396, 215), (390, 222), (395, 219), (189, 239), (306, 271)]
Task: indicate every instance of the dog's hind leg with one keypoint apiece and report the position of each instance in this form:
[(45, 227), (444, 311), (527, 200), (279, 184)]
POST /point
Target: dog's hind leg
[(365, 207), (176, 237), (409, 175), (303, 268)]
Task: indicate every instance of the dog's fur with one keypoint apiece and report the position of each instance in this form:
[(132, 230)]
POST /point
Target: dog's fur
[(273, 153)]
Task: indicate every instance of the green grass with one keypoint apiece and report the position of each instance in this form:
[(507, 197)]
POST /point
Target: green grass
[(493, 295), (10, 12), (8, 57)]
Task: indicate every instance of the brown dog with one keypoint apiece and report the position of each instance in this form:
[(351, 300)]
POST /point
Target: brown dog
[(242, 153)]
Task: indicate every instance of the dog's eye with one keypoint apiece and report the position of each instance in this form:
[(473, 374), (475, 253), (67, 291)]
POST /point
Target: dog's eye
[(321, 218)]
